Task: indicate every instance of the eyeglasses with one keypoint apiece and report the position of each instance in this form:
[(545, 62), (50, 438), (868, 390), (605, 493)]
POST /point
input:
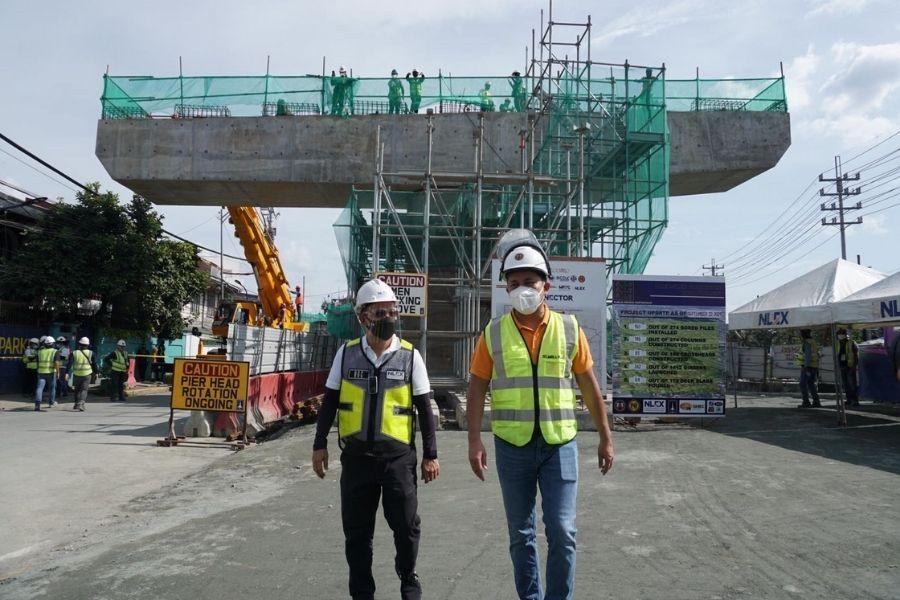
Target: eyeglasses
[(384, 312)]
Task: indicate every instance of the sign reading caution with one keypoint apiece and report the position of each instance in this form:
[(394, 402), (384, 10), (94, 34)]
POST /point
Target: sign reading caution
[(210, 385), (411, 290)]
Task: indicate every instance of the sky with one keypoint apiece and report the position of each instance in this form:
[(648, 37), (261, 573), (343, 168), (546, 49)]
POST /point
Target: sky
[(841, 60)]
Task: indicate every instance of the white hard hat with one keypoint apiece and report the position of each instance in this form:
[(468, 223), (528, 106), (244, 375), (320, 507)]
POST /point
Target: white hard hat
[(49, 339), (524, 257), (341, 69), (85, 341), (374, 291), (120, 343), (61, 338), (34, 341)]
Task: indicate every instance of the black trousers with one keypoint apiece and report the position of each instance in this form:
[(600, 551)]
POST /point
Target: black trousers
[(117, 380), (851, 388), (363, 480)]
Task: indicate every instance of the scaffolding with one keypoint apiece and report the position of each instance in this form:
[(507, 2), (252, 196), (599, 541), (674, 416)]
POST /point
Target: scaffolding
[(593, 182)]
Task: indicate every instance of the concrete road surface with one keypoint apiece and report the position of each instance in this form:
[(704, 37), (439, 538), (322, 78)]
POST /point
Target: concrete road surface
[(770, 502)]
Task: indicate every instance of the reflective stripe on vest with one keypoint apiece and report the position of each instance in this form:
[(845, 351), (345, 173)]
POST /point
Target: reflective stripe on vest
[(119, 362), (813, 355), (389, 387), (45, 358), (81, 363), (30, 359), (849, 354), (513, 382)]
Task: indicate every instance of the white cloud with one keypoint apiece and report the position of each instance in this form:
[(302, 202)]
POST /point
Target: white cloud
[(851, 128), (874, 224), (837, 7), (645, 21), (799, 76), (865, 77)]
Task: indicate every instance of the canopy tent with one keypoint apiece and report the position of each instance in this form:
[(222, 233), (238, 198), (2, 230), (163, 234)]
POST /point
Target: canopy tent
[(875, 305), (804, 301)]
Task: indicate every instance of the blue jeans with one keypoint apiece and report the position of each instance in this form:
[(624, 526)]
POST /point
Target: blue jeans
[(48, 381), (555, 470)]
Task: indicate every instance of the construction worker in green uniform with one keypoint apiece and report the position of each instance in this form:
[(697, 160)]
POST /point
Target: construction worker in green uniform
[(485, 98), (395, 94), (29, 361), (82, 365), (533, 358), (46, 373), (376, 386), (506, 106), (808, 361), (415, 89), (118, 372), (341, 92), (518, 91)]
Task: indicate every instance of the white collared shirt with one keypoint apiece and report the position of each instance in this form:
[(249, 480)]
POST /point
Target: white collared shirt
[(420, 382)]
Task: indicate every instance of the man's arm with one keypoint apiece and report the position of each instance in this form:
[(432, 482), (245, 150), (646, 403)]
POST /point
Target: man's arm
[(324, 421), (431, 468), (593, 399), (474, 414)]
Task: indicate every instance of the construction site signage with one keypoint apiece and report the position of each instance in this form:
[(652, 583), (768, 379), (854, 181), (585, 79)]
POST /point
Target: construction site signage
[(216, 385), (411, 290), (577, 287), (668, 346)]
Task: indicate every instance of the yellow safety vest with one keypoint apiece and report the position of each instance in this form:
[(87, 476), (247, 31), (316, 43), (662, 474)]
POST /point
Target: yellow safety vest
[(119, 363), (81, 363), (849, 354), (30, 360), (45, 359), (386, 390), (519, 387), (813, 355)]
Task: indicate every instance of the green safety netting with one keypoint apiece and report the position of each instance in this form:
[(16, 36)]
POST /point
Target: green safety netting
[(273, 95)]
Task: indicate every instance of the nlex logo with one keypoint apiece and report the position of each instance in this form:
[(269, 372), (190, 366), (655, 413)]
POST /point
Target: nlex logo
[(891, 308), (778, 317)]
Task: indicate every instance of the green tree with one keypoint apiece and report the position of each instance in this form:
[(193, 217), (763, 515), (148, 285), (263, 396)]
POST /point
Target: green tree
[(97, 249)]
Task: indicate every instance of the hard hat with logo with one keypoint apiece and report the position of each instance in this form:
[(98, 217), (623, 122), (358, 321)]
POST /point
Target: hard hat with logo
[(519, 249), (120, 343), (374, 291), (61, 338), (342, 69), (84, 341)]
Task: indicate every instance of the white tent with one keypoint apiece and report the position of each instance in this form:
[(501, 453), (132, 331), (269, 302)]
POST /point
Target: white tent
[(878, 303), (804, 302)]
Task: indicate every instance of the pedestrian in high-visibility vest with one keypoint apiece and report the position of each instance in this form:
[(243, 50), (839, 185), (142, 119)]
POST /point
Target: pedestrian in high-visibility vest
[(376, 385), (29, 361), (82, 365), (808, 360), (46, 373), (529, 356), (118, 372), (848, 359), (62, 358)]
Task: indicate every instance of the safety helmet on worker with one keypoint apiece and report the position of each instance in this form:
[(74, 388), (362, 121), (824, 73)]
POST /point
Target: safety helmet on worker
[(372, 291), (120, 344), (393, 72), (49, 341), (518, 249), (34, 341), (342, 70), (61, 338), (84, 341)]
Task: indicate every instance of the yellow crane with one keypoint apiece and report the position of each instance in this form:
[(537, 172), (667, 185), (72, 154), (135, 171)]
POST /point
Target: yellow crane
[(275, 307)]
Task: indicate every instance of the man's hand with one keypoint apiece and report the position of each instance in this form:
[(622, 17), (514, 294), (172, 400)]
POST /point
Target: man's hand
[(320, 462), (606, 454), (477, 458), (431, 469)]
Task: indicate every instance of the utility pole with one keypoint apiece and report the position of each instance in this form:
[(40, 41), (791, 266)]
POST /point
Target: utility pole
[(840, 193), (713, 267), (221, 254)]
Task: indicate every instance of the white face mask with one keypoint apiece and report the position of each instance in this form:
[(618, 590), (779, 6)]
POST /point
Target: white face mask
[(526, 300)]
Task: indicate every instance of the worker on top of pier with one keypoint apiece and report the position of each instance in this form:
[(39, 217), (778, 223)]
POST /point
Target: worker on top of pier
[(415, 89), (529, 357), (518, 91), (341, 92), (395, 94), (376, 385), (485, 98)]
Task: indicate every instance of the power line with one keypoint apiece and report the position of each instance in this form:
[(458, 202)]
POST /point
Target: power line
[(841, 193), (88, 190), (713, 267)]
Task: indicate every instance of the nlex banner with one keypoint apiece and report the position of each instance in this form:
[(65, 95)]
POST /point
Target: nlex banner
[(668, 345)]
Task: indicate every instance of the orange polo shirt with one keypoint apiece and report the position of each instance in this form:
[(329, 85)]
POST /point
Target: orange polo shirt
[(483, 365)]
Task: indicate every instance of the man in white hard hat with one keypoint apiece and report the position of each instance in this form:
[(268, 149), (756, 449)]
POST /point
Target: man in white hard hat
[(529, 357), (46, 372), (376, 385), (82, 365), (118, 372), (63, 352)]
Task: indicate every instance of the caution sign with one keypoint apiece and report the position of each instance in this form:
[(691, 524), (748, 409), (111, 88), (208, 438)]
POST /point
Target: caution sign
[(411, 290), (210, 385)]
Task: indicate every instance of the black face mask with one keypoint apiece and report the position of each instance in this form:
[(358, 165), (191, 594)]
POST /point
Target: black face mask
[(384, 328)]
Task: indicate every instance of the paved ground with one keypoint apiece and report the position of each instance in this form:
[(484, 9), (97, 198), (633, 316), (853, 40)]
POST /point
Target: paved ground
[(768, 503)]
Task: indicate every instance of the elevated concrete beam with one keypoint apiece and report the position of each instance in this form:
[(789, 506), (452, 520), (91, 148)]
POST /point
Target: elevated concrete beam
[(313, 161)]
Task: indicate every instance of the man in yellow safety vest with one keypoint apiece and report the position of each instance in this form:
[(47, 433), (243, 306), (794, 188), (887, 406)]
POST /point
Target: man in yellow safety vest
[(82, 365), (376, 385), (529, 357), (848, 359), (118, 372), (46, 373), (808, 360)]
